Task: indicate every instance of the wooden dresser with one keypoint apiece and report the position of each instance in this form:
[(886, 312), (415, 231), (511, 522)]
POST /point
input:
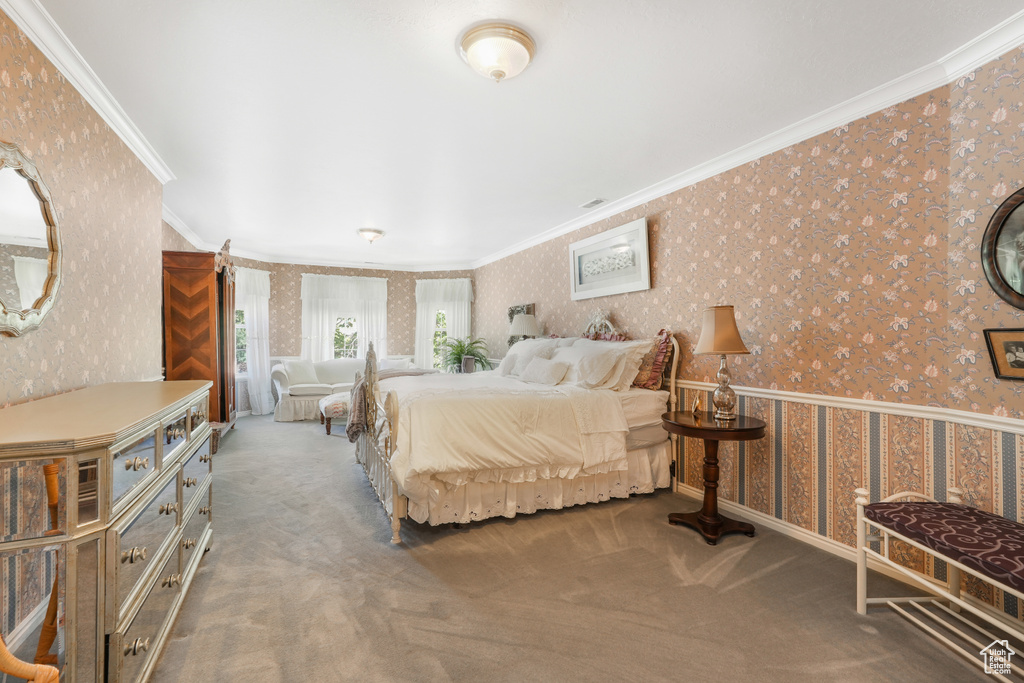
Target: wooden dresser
[(199, 326), (106, 506)]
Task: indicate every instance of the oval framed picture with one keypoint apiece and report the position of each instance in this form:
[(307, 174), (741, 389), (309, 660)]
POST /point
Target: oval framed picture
[(1002, 250)]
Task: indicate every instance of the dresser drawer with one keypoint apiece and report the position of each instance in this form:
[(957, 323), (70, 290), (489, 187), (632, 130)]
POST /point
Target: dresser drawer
[(195, 471), (131, 649), (175, 434), (133, 462), (138, 544), (195, 527)]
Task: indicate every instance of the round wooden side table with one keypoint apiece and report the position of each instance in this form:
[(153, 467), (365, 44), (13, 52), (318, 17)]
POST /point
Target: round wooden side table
[(708, 521)]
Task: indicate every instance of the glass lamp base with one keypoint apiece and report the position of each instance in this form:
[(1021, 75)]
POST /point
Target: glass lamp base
[(724, 398)]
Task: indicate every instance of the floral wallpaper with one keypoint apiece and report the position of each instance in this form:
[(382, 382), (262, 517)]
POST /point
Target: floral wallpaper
[(852, 258), (105, 325), (853, 261), (286, 304)]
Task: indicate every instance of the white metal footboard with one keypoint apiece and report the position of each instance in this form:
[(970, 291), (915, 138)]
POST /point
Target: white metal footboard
[(376, 445)]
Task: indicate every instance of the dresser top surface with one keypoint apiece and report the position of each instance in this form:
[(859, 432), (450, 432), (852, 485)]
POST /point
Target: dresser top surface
[(90, 417)]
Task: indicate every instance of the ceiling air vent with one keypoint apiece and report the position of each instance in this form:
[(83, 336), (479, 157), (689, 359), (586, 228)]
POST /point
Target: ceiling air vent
[(592, 203)]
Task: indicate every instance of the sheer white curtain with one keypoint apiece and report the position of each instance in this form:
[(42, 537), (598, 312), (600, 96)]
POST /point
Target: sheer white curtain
[(455, 298), (252, 295), (325, 298), (30, 274)]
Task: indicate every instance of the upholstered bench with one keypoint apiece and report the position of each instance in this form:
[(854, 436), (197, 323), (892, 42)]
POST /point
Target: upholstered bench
[(991, 545), (968, 540), (333, 406)]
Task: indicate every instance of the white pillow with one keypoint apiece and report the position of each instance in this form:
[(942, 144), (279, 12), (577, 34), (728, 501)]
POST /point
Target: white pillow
[(634, 352), (300, 372), (395, 364), (524, 345), (507, 364), (591, 368), (524, 357), (544, 371)]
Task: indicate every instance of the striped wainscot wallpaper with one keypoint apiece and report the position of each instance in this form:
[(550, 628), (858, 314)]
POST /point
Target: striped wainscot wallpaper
[(816, 452)]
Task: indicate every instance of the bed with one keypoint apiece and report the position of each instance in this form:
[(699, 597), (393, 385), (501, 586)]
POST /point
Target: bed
[(452, 448)]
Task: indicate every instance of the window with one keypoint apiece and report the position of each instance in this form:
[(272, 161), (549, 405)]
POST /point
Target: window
[(345, 341), (440, 337), (241, 343)]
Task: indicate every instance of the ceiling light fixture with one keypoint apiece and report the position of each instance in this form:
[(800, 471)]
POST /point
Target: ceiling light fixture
[(371, 235), (497, 50)]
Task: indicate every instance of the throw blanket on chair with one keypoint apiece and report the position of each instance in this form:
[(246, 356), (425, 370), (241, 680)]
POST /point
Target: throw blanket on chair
[(357, 403)]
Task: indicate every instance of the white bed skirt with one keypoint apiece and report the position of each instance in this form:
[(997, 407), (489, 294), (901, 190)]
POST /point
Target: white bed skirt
[(648, 470), (295, 408)]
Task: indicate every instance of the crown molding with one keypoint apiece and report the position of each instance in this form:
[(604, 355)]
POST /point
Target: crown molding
[(196, 241), (977, 52), (42, 30), (182, 229), (993, 422)]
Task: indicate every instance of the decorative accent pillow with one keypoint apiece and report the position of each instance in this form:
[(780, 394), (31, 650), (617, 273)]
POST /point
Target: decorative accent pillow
[(300, 372), (544, 371), (652, 367)]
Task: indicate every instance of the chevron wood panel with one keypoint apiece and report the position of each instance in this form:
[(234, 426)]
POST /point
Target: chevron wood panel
[(199, 327)]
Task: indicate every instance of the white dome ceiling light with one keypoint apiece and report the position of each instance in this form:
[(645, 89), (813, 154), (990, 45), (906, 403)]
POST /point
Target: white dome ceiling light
[(497, 50), (371, 235)]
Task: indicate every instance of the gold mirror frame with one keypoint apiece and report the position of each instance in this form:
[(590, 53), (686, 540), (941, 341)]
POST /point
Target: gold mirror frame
[(14, 322)]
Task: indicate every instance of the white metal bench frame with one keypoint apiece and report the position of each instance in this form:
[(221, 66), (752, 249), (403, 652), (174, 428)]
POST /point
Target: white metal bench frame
[(950, 592)]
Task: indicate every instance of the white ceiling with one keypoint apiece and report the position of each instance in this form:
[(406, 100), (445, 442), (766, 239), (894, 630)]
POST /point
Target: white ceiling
[(289, 126)]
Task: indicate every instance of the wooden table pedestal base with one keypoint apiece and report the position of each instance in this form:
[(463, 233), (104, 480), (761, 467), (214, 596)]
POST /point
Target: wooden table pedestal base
[(708, 521), (711, 529)]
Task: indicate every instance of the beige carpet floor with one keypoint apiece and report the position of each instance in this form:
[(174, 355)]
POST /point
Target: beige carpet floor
[(303, 585)]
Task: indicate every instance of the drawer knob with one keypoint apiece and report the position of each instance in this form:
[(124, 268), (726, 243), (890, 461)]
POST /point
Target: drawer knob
[(168, 509), (205, 510), (190, 482), (130, 556), (205, 457), (136, 464), (170, 580), (136, 647), (189, 543)]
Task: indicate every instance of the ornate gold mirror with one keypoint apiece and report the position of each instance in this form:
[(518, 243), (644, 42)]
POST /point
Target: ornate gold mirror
[(30, 252)]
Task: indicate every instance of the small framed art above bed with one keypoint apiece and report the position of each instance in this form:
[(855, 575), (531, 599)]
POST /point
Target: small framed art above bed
[(561, 422)]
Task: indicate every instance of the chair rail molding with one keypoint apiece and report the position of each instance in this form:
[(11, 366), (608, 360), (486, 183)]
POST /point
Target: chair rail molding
[(964, 417)]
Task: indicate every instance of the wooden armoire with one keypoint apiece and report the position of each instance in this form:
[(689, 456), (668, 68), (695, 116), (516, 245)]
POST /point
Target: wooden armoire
[(199, 325)]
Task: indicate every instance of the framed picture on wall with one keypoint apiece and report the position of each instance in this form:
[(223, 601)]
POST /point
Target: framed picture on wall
[(614, 262), (1006, 348)]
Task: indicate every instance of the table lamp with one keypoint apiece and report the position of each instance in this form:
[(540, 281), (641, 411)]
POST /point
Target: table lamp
[(719, 335), (524, 325)]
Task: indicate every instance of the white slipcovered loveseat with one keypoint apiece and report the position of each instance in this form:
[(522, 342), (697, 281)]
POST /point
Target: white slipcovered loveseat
[(301, 384)]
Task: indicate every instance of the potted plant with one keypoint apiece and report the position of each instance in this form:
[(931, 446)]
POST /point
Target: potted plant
[(455, 350)]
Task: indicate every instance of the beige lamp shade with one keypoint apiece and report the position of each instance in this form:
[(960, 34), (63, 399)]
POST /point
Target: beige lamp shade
[(719, 334), (524, 325)]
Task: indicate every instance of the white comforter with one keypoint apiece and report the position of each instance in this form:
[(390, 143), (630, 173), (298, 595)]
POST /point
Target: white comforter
[(486, 428)]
